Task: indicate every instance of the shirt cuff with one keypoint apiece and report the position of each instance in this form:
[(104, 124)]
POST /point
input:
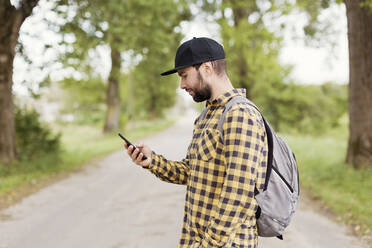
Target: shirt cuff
[(155, 161)]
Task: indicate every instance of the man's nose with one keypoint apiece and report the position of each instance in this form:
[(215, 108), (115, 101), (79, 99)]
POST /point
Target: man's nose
[(182, 84)]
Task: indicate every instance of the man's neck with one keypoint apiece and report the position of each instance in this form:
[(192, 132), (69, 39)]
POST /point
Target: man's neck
[(220, 87)]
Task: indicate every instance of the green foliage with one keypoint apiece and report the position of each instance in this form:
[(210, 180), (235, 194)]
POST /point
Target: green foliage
[(368, 4), (124, 119), (252, 50), (252, 54), (154, 93), (84, 99), (33, 138), (145, 30), (251, 46), (304, 108)]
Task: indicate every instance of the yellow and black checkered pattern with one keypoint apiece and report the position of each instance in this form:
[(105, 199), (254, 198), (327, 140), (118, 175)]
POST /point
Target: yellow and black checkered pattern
[(221, 176)]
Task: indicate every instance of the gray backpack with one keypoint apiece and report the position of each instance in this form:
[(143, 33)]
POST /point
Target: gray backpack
[(278, 201)]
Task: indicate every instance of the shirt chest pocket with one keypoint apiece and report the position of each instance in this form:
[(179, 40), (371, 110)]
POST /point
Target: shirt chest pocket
[(206, 145)]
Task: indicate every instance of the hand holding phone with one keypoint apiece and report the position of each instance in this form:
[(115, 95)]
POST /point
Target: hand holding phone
[(130, 144)]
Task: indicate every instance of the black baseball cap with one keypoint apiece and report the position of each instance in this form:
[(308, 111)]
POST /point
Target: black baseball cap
[(196, 51)]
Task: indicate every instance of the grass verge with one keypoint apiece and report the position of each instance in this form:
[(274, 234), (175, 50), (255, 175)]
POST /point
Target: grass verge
[(341, 189), (80, 144)]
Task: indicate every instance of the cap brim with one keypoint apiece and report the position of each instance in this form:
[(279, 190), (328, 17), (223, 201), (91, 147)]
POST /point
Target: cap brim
[(174, 70), (169, 72)]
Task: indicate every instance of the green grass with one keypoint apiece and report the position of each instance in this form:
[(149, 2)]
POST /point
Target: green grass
[(325, 175), (80, 144)]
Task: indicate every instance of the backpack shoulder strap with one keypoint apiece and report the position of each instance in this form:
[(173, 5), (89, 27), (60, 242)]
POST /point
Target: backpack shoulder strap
[(229, 104)]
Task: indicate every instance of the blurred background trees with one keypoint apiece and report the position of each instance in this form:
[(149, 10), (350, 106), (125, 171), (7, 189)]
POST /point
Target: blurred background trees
[(137, 39), (137, 27)]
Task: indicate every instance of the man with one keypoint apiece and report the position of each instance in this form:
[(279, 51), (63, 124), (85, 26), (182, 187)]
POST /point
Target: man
[(221, 175)]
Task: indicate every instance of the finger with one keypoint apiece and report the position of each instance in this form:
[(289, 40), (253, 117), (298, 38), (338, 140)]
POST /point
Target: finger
[(125, 146), (131, 154), (130, 150), (139, 158), (135, 154)]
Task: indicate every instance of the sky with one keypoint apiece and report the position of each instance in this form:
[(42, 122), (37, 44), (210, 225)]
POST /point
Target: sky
[(311, 65), (322, 64)]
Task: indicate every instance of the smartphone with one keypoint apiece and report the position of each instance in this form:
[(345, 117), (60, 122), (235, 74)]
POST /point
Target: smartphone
[(130, 144)]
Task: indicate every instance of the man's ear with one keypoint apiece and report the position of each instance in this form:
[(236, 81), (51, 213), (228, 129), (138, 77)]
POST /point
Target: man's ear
[(206, 69)]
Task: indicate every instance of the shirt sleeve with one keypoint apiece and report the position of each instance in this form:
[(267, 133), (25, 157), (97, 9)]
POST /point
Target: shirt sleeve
[(170, 171), (243, 143)]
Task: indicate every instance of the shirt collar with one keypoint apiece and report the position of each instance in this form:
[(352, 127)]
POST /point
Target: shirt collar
[(224, 98)]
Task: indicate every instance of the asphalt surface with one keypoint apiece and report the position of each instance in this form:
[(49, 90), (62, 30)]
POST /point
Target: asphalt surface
[(113, 203)]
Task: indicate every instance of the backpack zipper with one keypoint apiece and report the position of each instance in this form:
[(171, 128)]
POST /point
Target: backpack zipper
[(283, 179), (279, 222)]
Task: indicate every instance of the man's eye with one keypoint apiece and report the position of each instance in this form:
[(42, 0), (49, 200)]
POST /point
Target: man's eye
[(184, 76)]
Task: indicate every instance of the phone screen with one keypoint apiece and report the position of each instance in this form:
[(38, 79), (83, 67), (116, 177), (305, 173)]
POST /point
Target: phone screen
[(130, 144)]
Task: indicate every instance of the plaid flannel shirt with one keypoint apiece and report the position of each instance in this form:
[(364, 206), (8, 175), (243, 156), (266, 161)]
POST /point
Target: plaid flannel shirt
[(221, 176)]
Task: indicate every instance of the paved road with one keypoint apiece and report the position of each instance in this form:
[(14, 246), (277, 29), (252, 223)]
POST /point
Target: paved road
[(115, 204)]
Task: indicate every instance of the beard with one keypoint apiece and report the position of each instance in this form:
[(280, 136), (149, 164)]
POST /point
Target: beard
[(203, 92)]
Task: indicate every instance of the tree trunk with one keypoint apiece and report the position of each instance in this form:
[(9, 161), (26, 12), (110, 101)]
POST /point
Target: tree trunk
[(11, 20), (113, 100), (360, 86), (8, 151)]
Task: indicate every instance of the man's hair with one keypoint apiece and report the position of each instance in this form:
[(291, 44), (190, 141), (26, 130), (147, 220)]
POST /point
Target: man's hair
[(219, 66)]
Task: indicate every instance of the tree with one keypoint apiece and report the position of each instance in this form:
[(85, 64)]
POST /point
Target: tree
[(124, 26), (359, 22), (359, 18), (11, 20)]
